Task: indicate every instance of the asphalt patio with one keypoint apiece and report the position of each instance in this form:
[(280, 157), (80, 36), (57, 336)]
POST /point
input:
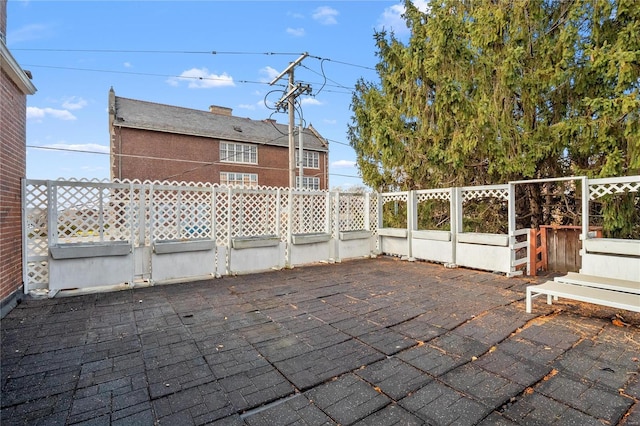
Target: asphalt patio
[(371, 342)]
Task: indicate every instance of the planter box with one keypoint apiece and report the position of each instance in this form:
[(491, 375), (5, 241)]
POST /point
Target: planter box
[(310, 238), (612, 246), (393, 232), (253, 242), (432, 235), (484, 239), (82, 250), (180, 246), (355, 235)]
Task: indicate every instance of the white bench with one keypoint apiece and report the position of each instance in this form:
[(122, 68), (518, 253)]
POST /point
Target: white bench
[(615, 293)]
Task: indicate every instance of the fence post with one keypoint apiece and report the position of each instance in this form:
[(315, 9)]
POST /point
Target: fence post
[(287, 262), (412, 211)]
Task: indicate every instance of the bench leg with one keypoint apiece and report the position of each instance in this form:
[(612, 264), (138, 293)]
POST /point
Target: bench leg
[(528, 301), (549, 302)]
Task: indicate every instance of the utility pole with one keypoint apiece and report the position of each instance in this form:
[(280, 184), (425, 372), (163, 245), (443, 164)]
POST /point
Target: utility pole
[(293, 92)]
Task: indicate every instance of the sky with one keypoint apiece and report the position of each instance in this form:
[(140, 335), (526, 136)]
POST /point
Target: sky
[(190, 54)]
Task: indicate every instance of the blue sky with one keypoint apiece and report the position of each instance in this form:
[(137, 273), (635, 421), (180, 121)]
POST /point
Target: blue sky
[(162, 51)]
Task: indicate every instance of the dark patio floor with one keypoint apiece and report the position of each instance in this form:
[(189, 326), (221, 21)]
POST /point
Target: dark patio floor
[(375, 342)]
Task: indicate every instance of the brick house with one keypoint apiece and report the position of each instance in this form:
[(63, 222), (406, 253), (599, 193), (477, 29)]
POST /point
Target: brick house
[(15, 85), (151, 141)]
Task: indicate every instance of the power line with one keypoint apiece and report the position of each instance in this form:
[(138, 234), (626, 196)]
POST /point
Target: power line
[(139, 73), (169, 76), (200, 162), (190, 52)]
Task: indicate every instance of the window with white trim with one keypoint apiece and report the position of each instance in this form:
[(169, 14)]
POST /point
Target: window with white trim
[(238, 153), (310, 159), (239, 179), (308, 182)]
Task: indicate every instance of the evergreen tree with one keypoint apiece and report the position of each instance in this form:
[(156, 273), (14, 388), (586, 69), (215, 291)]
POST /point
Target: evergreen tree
[(487, 91)]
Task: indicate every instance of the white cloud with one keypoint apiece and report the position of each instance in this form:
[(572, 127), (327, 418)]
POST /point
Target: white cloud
[(296, 32), (391, 18), (127, 65), (92, 147), (28, 33), (38, 114), (326, 15), (310, 101), (343, 164), (74, 102), (200, 78), (250, 107), (268, 73)]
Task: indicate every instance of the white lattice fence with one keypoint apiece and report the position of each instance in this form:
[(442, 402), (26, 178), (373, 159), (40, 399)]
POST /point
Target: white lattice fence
[(309, 212), (254, 212), (351, 212), (180, 214), (36, 233), (606, 186)]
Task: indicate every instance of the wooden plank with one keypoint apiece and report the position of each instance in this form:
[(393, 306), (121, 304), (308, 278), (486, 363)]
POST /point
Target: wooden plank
[(598, 296)]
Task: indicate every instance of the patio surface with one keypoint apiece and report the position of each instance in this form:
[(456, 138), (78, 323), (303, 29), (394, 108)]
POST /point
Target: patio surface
[(372, 342)]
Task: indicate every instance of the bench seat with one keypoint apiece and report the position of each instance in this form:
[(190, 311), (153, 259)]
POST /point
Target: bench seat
[(626, 286), (583, 293)]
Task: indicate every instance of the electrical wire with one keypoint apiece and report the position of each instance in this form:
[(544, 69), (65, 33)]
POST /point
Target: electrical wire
[(201, 163)]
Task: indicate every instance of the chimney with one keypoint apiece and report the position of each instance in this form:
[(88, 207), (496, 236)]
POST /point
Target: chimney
[(215, 109)]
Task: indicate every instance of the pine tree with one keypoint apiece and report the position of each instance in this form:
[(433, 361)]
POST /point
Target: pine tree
[(487, 91)]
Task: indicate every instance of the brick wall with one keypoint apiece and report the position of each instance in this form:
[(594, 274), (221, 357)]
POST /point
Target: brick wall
[(12, 169), (272, 168)]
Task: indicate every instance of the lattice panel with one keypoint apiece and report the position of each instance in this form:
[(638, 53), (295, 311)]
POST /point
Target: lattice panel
[(309, 213), (439, 195), (37, 273), (472, 194), (195, 215), (165, 215), (394, 197), (599, 190), (181, 214), (373, 215), (88, 214), (254, 213), (141, 210), (351, 212), (36, 207), (221, 203), (119, 215), (284, 215)]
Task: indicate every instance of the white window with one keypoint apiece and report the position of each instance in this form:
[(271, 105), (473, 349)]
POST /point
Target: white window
[(308, 182), (310, 159), (238, 153), (239, 179)]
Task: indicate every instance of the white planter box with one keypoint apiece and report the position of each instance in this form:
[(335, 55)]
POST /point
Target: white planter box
[(239, 243), (82, 250), (310, 238), (393, 232), (432, 235), (499, 240), (178, 246), (354, 235)]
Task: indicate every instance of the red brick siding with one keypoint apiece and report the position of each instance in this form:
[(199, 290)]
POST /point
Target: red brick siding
[(13, 104), (137, 146)]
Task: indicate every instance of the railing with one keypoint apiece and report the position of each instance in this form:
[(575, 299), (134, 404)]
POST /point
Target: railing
[(87, 234)]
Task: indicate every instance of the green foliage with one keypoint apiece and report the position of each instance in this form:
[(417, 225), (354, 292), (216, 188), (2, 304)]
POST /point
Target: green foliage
[(495, 90)]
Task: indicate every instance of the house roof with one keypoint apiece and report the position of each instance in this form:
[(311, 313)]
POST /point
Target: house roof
[(152, 116)]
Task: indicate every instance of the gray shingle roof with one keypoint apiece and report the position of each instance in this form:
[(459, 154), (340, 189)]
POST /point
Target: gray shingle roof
[(137, 114)]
